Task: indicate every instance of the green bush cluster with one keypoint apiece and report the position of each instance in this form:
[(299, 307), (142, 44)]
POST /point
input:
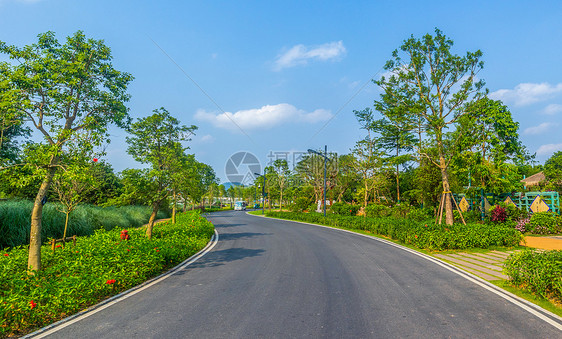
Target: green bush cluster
[(300, 204), (99, 266), (343, 208), (544, 223), (538, 272), (15, 220), (377, 211), (422, 235)]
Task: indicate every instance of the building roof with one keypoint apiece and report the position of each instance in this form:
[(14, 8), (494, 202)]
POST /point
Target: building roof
[(534, 179)]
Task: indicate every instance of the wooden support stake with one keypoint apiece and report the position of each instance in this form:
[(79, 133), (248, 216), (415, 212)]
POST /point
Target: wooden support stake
[(458, 209)]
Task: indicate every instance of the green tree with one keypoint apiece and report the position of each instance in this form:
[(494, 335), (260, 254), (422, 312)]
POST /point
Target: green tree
[(488, 139), (281, 169), (429, 84), (62, 89), (74, 182), (397, 140), (156, 141), (553, 170)]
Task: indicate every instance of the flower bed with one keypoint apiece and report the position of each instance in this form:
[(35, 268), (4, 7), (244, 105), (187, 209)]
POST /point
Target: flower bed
[(99, 266)]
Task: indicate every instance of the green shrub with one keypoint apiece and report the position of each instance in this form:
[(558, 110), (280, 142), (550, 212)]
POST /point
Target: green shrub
[(544, 223), (420, 214), (400, 210), (539, 272), (422, 235), (343, 208), (377, 211), (300, 204), (99, 266)]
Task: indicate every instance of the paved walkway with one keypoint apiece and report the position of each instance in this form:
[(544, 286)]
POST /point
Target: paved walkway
[(487, 266), (545, 243)]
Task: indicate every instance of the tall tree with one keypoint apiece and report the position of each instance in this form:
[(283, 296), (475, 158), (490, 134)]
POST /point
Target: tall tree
[(63, 89), (156, 141), (430, 84), (74, 181), (397, 140), (553, 170), (281, 169), (488, 138)]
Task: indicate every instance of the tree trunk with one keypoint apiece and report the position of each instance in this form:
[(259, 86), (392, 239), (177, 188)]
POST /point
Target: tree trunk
[(281, 202), (366, 194), (446, 189), (397, 177), (155, 208), (34, 256), (174, 209), (65, 227)]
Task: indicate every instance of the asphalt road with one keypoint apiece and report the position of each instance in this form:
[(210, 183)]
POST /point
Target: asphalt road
[(276, 279)]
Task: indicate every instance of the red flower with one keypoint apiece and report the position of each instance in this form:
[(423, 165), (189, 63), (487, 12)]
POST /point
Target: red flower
[(6, 254), (416, 236), (128, 250), (95, 159), (58, 246), (157, 250), (32, 304), (111, 281)]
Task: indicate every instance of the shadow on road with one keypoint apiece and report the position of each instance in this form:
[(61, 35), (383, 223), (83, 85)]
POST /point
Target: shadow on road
[(241, 235), (217, 225), (221, 257)]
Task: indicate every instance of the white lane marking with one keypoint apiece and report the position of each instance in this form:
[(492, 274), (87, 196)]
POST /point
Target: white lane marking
[(124, 295), (520, 302)]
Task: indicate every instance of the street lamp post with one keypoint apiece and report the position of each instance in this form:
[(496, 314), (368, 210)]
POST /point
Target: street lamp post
[(325, 156), (262, 192)]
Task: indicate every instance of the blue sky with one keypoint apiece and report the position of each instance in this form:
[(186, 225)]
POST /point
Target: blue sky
[(290, 73)]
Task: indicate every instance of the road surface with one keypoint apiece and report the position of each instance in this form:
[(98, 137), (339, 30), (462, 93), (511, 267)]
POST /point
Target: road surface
[(269, 278)]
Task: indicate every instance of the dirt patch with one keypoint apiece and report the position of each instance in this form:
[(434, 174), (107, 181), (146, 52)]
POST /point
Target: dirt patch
[(545, 243)]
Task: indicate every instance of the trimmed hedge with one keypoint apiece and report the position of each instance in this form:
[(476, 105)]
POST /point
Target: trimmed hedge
[(538, 272), (429, 236)]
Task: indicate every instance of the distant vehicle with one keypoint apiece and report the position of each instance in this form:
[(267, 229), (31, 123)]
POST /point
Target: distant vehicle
[(240, 206)]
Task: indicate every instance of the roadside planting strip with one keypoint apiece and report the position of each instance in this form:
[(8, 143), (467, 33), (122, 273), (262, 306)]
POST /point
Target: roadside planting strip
[(50, 329)]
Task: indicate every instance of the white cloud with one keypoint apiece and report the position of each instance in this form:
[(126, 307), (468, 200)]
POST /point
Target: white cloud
[(542, 128), (552, 109), (527, 93), (207, 138), (549, 149), (301, 54), (265, 117)]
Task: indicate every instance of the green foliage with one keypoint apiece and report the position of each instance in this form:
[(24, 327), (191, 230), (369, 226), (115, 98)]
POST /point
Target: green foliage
[(420, 214), (553, 170), (98, 267), (300, 204), (422, 235), (343, 208), (15, 220), (377, 211), (544, 223), (537, 271)]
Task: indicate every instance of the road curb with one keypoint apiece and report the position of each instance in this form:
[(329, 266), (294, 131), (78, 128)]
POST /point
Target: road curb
[(50, 329)]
